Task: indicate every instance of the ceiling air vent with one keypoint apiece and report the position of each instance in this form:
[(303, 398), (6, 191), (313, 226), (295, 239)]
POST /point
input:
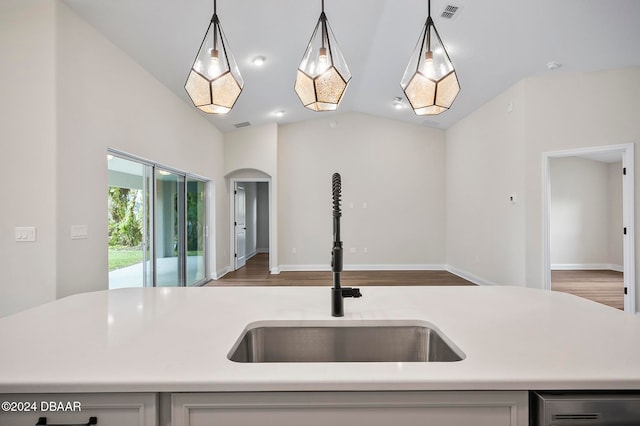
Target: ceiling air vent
[(451, 11), (243, 124)]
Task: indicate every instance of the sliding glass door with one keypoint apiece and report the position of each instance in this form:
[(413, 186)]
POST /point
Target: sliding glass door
[(157, 225), (129, 212), (196, 231), (169, 229)]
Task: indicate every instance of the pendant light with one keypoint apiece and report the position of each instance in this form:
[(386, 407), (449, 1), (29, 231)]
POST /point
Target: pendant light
[(430, 81), (214, 83), (323, 74)]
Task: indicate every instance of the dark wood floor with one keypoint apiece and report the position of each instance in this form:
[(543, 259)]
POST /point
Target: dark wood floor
[(601, 286), (256, 273)]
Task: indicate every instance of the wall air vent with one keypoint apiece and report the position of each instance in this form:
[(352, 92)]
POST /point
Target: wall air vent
[(243, 124), (451, 11)]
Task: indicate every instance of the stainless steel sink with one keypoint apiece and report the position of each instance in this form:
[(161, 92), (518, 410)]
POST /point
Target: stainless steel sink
[(362, 341)]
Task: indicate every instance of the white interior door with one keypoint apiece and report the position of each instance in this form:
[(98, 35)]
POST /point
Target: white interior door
[(240, 226)]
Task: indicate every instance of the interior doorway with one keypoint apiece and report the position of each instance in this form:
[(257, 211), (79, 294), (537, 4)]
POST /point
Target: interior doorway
[(251, 220), (589, 224)]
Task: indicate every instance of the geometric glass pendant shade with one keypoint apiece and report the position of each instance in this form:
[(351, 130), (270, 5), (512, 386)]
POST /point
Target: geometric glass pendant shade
[(430, 82), (323, 74), (214, 82)]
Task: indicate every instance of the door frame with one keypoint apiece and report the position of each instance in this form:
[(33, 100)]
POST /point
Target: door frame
[(273, 258), (628, 218)]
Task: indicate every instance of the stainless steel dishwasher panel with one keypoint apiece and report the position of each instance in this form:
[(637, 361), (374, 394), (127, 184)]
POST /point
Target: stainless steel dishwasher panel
[(585, 408)]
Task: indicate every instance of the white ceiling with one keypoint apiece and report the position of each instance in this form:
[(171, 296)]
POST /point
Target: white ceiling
[(492, 43)]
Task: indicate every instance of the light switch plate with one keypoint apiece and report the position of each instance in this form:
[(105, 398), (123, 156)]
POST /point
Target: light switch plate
[(25, 233), (79, 232)]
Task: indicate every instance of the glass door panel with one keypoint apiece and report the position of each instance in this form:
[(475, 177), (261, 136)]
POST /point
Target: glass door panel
[(196, 228), (129, 214), (169, 229)]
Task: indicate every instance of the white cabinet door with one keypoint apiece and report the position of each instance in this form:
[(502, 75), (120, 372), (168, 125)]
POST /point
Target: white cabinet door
[(125, 409), (351, 408)]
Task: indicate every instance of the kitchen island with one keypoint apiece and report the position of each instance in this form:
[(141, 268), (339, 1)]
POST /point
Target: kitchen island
[(168, 341)]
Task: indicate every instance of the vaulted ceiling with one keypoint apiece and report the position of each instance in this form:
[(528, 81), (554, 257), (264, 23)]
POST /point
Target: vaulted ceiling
[(492, 43)]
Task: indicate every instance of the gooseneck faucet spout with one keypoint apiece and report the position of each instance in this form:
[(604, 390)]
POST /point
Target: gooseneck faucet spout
[(338, 293)]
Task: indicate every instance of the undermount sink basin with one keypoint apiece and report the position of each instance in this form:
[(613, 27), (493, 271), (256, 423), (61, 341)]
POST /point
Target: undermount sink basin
[(360, 341)]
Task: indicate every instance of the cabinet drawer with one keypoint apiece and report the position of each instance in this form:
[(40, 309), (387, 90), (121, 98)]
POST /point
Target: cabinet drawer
[(110, 409), (351, 408)]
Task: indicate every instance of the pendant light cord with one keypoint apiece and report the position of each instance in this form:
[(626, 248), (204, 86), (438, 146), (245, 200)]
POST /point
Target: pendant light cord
[(323, 18), (215, 25), (428, 31)]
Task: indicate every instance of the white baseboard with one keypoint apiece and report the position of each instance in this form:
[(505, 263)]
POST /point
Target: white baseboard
[(304, 268), (262, 250), (395, 267), (224, 271), (586, 267), (617, 268), (221, 273), (469, 276), (366, 267)]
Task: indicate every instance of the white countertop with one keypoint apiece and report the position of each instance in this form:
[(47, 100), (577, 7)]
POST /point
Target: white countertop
[(177, 340)]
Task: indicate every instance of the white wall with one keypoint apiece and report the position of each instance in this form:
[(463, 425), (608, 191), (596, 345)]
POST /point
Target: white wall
[(566, 111), (252, 148), (27, 120), (262, 243), (251, 153), (485, 157), (558, 112), (581, 222), (105, 100), (393, 192)]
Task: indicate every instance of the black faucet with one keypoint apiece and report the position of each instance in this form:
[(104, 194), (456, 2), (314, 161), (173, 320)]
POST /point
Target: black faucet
[(338, 293)]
